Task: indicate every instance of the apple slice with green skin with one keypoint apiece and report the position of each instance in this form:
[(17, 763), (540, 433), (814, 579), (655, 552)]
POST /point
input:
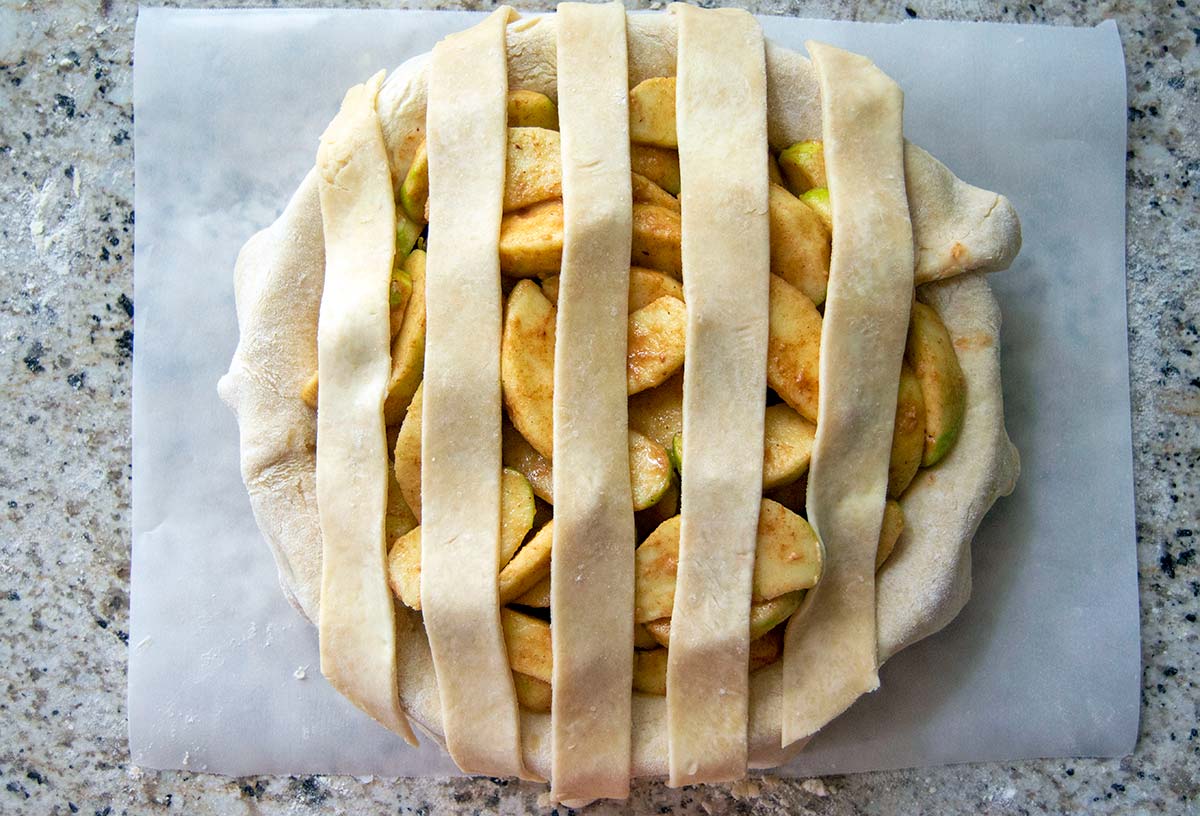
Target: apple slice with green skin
[(414, 190), (528, 641), (889, 531), (793, 347), (800, 244), (659, 164), (652, 112), (408, 345), (656, 343), (908, 438), (803, 165), (930, 352), (516, 520), (818, 199), (531, 109), (788, 557), (532, 694)]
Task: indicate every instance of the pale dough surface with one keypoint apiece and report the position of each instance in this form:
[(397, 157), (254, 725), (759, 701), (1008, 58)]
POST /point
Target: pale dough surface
[(278, 282), (721, 116), (467, 133), (829, 655), (591, 588), (357, 618)]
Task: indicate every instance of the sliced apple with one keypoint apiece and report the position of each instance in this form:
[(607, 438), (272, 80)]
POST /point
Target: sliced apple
[(652, 112), (656, 343), (650, 672), (774, 176), (818, 199), (659, 164), (516, 520), (787, 553), (518, 454), (643, 639), (646, 191), (908, 439), (764, 617), (529, 566), (532, 694), (787, 557), (766, 650), (800, 244), (657, 232), (650, 471), (407, 464), (414, 190), (527, 365), (408, 346), (803, 166), (531, 109), (645, 287), (399, 519), (531, 240), (794, 347), (533, 171), (537, 596), (787, 446), (398, 297), (528, 641), (658, 412), (930, 352), (889, 531)]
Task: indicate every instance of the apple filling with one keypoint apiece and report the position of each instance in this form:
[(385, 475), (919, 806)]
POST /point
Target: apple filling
[(788, 555)]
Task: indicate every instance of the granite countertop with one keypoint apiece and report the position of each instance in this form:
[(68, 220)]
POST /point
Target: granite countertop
[(67, 334)]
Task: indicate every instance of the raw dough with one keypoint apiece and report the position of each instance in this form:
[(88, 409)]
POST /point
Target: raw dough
[(591, 589), (357, 624), (466, 141), (721, 115), (829, 657)]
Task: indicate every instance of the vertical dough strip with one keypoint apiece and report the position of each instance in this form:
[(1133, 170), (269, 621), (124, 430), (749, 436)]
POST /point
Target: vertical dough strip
[(460, 462), (721, 120), (358, 214), (830, 644), (591, 595)]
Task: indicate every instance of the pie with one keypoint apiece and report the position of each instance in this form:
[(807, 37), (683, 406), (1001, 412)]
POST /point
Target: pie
[(644, 327)]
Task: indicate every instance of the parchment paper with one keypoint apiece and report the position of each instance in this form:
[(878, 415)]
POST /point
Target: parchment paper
[(1044, 661)]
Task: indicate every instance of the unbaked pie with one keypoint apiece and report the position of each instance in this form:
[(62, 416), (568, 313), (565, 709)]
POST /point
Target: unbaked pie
[(605, 326)]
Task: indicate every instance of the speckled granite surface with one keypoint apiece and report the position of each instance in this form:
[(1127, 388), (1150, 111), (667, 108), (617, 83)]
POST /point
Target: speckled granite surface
[(66, 335)]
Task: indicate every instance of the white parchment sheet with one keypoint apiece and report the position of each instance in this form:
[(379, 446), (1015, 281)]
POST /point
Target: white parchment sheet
[(224, 675)]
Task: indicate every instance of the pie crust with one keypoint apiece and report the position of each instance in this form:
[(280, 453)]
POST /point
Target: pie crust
[(959, 232)]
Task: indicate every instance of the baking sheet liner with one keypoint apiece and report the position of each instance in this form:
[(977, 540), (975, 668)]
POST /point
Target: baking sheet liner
[(1044, 661)]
